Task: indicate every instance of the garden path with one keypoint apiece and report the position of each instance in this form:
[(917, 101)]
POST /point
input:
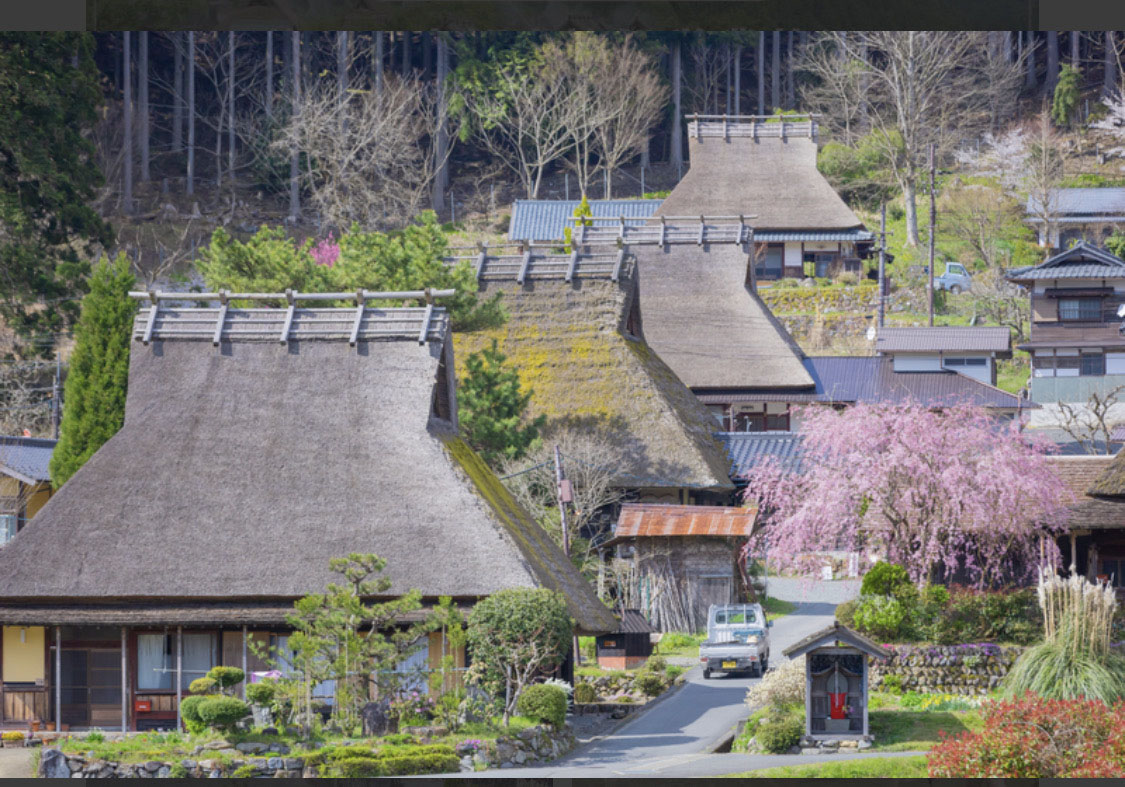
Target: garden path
[(15, 763)]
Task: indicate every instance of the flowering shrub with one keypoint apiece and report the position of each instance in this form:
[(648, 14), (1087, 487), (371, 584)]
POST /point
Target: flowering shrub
[(413, 707), (326, 252), (782, 685), (470, 746), (1034, 737), (12, 735)]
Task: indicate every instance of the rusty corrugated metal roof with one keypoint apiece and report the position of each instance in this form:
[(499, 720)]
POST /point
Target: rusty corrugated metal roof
[(655, 520)]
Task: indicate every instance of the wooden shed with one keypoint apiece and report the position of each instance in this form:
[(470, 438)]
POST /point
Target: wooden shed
[(629, 646), (836, 684)]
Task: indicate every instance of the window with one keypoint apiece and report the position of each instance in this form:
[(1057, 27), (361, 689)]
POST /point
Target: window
[(156, 660), (777, 422), (1092, 365), (1080, 308), (966, 361), (8, 526), (1111, 570)]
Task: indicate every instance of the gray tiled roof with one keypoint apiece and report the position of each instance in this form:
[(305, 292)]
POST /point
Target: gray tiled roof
[(543, 219), (847, 379), (26, 456), (747, 449), (1107, 201), (1081, 261), (801, 236), (944, 338)]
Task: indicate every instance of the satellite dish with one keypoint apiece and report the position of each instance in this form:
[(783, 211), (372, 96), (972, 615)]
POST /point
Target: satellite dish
[(871, 329)]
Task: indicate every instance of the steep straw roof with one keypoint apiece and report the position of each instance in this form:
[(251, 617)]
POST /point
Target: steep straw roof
[(702, 319), (1082, 475), (569, 342), (773, 179), (1111, 482), (242, 470)]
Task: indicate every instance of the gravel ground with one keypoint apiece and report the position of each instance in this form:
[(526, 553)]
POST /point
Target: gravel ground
[(813, 591)]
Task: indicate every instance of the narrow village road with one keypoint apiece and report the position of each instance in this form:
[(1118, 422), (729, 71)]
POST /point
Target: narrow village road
[(15, 763), (673, 738)]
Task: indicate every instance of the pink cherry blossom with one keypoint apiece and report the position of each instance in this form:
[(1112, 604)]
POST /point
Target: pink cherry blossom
[(326, 252), (950, 490)]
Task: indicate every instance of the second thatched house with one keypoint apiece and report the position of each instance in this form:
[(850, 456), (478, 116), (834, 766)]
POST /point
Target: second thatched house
[(258, 444)]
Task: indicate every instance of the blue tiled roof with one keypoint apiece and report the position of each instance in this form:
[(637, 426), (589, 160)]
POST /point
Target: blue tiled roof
[(544, 219), (747, 449), (1081, 261), (1107, 201), (799, 236), (26, 456)]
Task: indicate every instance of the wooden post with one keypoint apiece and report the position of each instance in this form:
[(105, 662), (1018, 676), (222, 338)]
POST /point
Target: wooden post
[(179, 674), (58, 673), (245, 662), (933, 228), (882, 264), (124, 681), (863, 692), (1073, 552)]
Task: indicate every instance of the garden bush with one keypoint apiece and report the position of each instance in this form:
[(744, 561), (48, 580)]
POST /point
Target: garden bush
[(674, 671), (884, 579), (221, 712), (845, 613), (987, 616), (584, 692), (261, 693), (226, 677), (203, 685), (781, 686), (674, 640), (544, 704), (881, 616), (1033, 737), (656, 664), (650, 683), (189, 711), (777, 736), (404, 765)]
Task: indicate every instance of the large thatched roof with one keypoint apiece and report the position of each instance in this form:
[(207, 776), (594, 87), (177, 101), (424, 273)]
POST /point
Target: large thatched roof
[(771, 178), (702, 318), (571, 345), (1111, 482), (242, 469)]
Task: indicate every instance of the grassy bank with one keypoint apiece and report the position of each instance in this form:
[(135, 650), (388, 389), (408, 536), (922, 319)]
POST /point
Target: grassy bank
[(869, 768)]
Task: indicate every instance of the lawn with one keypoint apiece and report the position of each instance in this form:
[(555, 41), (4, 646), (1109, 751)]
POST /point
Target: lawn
[(909, 730), (777, 608), (870, 768)]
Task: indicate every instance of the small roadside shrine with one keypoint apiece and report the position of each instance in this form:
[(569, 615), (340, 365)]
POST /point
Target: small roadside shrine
[(835, 682)]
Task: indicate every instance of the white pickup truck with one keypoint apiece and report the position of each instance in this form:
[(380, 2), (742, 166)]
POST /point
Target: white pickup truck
[(738, 640)]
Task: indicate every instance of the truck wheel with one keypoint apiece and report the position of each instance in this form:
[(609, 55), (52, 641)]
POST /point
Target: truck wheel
[(765, 664), (955, 289), (706, 674)]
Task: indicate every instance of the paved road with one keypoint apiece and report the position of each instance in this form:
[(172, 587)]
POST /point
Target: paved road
[(15, 763), (672, 738)]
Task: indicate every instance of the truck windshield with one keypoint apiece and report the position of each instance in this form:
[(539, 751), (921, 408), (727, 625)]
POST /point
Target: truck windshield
[(734, 616)]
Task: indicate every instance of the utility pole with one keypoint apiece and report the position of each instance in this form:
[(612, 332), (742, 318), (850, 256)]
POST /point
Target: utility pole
[(565, 496), (933, 233), (56, 409), (883, 264)]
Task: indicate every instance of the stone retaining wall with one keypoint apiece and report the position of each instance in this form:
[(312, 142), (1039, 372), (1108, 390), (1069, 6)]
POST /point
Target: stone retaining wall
[(953, 669), (532, 745)]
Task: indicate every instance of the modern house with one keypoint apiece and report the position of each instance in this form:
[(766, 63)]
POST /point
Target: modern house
[(1076, 342), (1090, 215), (576, 334), (764, 168), (682, 560), (258, 444), (547, 219), (25, 481), (972, 351)]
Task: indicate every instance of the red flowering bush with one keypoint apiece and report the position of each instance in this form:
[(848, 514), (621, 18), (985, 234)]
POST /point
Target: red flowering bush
[(1034, 737)]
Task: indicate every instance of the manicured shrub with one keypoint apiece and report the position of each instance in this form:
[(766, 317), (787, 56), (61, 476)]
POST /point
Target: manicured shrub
[(987, 616), (881, 616), (1033, 737), (777, 736), (203, 685), (221, 712), (674, 671), (884, 579), (189, 712), (226, 677), (584, 692), (845, 613), (656, 664), (649, 682), (544, 704), (407, 765), (261, 693)]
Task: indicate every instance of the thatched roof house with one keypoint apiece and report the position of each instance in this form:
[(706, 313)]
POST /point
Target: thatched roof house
[(1095, 543), (575, 335), (258, 444)]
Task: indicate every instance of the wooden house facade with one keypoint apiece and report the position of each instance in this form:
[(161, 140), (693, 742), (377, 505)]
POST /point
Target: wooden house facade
[(25, 481), (258, 444)]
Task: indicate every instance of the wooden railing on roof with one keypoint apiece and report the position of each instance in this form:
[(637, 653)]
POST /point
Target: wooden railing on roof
[(662, 230), (753, 126), (165, 319), (540, 261)]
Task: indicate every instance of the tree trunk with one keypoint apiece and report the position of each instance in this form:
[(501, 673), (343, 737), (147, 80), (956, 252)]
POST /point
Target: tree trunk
[(294, 186), (127, 76), (1052, 63), (761, 55), (677, 110), (1008, 53), (738, 80), (231, 77), (790, 94), (728, 56), (189, 179), (341, 66), (1030, 82), (406, 66), (427, 54), (144, 127), (380, 38), (1109, 80), (441, 142), (1075, 49), (910, 199), (177, 92), (269, 74), (775, 70)]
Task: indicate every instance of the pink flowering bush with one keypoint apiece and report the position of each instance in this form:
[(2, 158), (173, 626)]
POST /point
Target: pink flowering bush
[(953, 490), (326, 252)]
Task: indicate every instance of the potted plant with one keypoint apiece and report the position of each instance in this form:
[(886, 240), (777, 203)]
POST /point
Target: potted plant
[(35, 725), (13, 739)]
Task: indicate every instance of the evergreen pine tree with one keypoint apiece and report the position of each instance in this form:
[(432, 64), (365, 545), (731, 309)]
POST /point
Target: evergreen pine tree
[(98, 372), (491, 408)]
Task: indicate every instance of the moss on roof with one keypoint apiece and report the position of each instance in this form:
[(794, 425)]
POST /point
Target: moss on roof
[(1112, 482)]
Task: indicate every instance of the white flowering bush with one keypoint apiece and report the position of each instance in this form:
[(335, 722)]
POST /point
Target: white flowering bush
[(782, 685)]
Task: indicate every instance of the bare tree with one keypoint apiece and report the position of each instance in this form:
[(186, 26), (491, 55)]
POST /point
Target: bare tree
[(1045, 172), (677, 108), (144, 124), (154, 255), (25, 398), (295, 119), (127, 171), (269, 74), (1090, 423), (376, 154), (775, 70), (924, 87), (835, 85), (178, 46), (189, 179), (984, 218), (1000, 302), (709, 67), (591, 462), (1109, 62), (760, 58)]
